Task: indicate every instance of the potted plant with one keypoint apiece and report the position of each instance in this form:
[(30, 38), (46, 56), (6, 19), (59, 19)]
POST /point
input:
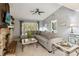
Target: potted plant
[(29, 34)]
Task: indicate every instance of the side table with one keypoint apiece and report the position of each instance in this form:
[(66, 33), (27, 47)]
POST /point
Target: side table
[(66, 49)]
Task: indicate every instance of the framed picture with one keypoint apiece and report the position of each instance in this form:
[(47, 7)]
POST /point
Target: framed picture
[(53, 25)]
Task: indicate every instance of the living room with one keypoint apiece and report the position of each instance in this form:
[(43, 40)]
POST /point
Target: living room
[(40, 29)]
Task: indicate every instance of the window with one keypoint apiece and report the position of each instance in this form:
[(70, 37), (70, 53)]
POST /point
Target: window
[(29, 26)]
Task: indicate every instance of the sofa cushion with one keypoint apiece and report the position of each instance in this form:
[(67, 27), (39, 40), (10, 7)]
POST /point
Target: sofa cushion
[(48, 35), (41, 38), (56, 40)]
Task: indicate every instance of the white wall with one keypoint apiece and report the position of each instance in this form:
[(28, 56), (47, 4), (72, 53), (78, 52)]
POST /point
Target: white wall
[(16, 32), (63, 16)]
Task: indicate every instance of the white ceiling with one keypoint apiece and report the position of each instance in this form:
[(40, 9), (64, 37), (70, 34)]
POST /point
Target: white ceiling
[(22, 10), (74, 6)]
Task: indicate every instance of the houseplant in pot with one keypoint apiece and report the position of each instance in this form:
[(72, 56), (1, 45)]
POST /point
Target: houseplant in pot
[(29, 35)]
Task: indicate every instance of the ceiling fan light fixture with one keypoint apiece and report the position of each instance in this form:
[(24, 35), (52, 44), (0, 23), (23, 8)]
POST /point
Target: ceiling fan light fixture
[(37, 11)]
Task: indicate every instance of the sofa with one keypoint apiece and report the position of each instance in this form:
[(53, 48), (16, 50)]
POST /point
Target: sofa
[(46, 39)]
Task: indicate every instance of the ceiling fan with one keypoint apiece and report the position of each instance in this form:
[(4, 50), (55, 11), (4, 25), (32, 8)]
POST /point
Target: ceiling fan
[(37, 11)]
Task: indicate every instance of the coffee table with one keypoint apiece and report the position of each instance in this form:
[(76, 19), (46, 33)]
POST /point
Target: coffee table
[(29, 41), (65, 49)]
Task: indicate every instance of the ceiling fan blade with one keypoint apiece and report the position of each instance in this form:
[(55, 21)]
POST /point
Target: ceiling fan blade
[(38, 13), (31, 11), (41, 12)]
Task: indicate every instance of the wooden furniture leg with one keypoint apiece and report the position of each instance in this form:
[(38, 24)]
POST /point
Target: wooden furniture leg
[(67, 53), (22, 48)]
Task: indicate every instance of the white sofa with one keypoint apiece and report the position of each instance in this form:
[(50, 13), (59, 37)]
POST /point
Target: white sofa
[(46, 39)]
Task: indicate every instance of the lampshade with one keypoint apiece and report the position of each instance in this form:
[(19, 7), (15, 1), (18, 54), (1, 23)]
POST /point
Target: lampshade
[(72, 25)]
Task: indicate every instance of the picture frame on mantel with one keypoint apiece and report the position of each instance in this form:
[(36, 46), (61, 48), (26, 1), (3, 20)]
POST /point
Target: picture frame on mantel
[(54, 26)]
